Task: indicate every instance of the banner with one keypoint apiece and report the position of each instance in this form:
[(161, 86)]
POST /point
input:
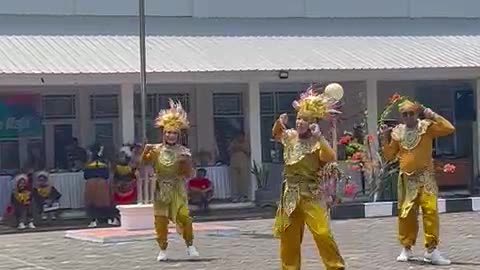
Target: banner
[(20, 117)]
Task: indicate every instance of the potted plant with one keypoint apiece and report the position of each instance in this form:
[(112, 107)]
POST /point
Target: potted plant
[(264, 196)]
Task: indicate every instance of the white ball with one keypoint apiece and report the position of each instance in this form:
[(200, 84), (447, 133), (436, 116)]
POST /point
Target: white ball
[(334, 90)]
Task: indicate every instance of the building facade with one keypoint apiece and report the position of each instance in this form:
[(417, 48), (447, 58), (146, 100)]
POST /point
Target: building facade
[(223, 60)]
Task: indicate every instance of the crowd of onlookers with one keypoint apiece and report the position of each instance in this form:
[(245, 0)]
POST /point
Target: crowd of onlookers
[(34, 197), (108, 184)]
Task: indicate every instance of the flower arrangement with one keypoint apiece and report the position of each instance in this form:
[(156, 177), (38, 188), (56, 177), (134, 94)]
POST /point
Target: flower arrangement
[(350, 144), (449, 168), (393, 102), (335, 184)]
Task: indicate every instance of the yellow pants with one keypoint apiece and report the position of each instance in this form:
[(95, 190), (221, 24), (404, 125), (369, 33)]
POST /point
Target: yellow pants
[(315, 216), (184, 227), (408, 226)]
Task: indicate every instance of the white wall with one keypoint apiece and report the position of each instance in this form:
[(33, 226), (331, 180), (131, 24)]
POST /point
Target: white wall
[(251, 8)]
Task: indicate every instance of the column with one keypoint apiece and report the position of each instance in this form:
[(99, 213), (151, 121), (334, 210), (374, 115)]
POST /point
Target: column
[(476, 134), (85, 126), (127, 113), (204, 123), (254, 129), (372, 110)]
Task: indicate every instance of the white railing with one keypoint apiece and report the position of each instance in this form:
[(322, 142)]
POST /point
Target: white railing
[(146, 186)]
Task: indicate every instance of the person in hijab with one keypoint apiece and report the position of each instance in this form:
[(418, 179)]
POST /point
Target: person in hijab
[(97, 189), (21, 201), (46, 197)]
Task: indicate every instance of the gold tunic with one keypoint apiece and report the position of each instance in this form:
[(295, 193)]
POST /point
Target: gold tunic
[(171, 164), (413, 147), (304, 158)]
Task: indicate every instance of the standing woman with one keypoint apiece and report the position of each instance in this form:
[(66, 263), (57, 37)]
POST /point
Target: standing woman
[(303, 201), (172, 164), (239, 150), (97, 188)]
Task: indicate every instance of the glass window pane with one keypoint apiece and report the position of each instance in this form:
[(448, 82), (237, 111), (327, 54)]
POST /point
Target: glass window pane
[(163, 100), (267, 145), (225, 131), (285, 100), (59, 106), (10, 158), (227, 104), (104, 136), (267, 105), (104, 106), (151, 109), (35, 155)]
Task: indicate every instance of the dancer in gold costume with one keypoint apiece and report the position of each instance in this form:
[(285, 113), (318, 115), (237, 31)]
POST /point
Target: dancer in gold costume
[(411, 142), (172, 164), (306, 151)]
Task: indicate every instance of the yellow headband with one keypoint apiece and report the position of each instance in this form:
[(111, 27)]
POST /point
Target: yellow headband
[(408, 106)]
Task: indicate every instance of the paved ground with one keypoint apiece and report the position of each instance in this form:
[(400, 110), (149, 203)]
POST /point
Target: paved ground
[(366, 244)]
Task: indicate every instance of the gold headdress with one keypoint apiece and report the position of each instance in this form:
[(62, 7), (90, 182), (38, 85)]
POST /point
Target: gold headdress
[(313, 105), (172, 119), (408, 106)]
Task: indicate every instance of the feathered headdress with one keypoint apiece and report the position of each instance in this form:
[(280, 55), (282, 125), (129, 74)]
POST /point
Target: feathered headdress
[(174, 119), (313, 105)]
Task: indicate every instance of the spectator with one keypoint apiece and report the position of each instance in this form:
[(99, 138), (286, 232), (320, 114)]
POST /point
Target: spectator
[(45, 196), (21, 201), (239, 150), (200, 190), (97, 188)]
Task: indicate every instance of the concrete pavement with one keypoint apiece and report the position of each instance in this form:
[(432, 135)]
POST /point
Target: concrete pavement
[(366, 244)]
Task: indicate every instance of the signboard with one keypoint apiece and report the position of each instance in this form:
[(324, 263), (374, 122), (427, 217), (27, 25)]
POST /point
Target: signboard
[(20, 116)]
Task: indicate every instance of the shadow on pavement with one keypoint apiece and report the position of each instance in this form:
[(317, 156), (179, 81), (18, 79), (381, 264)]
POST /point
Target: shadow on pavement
[(190, 260), (420, 261)]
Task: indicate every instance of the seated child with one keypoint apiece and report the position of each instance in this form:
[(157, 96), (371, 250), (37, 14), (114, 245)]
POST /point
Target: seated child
[(45, 196), (21, 201), (200, 190)]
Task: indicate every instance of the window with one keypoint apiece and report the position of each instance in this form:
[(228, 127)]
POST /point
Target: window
[(272, 104), (156, 102), (35, 155), (9, 156), (104, 106), (59, 107), (228, 120), (446, 145)]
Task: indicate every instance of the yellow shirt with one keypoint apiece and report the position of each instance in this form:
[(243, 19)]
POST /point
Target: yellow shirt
[(414, 147), (299, 159), (303, 158)]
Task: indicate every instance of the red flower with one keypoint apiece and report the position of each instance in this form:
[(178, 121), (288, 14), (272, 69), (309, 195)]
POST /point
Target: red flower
[(370, 138), (349, 189), (394, 98), (449, 168), (344, 140), (357, 156)]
